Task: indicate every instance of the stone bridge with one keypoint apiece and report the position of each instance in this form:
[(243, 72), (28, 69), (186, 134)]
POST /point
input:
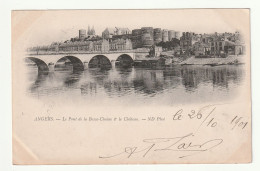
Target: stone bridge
[(47, 62)]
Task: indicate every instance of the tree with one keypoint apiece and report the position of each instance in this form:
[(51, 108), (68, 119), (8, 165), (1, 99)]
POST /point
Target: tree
[(169, 45)]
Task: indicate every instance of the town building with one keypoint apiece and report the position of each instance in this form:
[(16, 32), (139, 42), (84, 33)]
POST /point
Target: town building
[(101, 46), (122, 31), (120, 45), (218, 43), (187, 40), (85, 46), (240, 48), (155, 51), (201, 49), (223, 47), (76, 46), (224, 44), (206, 38)]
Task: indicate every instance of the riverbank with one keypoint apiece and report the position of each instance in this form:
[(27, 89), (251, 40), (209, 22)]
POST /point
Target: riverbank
[(230, 60)]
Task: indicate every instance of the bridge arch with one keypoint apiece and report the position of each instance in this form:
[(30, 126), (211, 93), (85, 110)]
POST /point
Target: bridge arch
[(124, 60), (76, 62), (99, 61), (42, 66)]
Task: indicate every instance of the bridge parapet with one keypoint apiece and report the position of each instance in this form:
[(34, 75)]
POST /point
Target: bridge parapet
[(79, 52)]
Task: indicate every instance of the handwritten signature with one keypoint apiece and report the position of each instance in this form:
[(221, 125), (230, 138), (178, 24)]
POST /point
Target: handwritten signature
[(175, 144)]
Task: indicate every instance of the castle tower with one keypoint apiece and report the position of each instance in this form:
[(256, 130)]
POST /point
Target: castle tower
[(82, 34), (165, 36), (171, 34)]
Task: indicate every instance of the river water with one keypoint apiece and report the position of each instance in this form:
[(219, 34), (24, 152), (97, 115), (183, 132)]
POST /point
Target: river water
[(138, 86)]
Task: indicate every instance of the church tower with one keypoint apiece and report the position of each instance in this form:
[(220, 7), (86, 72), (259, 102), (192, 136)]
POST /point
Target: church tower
[(89, 31), (93, 32)]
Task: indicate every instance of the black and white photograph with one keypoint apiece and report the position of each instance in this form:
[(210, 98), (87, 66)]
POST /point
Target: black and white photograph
[(122, 86), (133, 63)]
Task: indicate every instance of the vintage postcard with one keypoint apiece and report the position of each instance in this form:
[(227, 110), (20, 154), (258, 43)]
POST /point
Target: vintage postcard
[(131, 86)]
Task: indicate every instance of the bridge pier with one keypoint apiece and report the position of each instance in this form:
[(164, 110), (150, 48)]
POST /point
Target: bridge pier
[(85, 65), (51, 67), (113, 63)]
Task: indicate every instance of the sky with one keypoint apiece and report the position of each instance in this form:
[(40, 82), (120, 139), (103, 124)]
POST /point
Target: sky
[(45, 27)]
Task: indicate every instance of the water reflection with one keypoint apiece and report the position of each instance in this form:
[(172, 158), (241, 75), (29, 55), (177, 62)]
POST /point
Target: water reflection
[(40, 78), (190, 83), (149, 81), (72, 78), (219, 76)]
